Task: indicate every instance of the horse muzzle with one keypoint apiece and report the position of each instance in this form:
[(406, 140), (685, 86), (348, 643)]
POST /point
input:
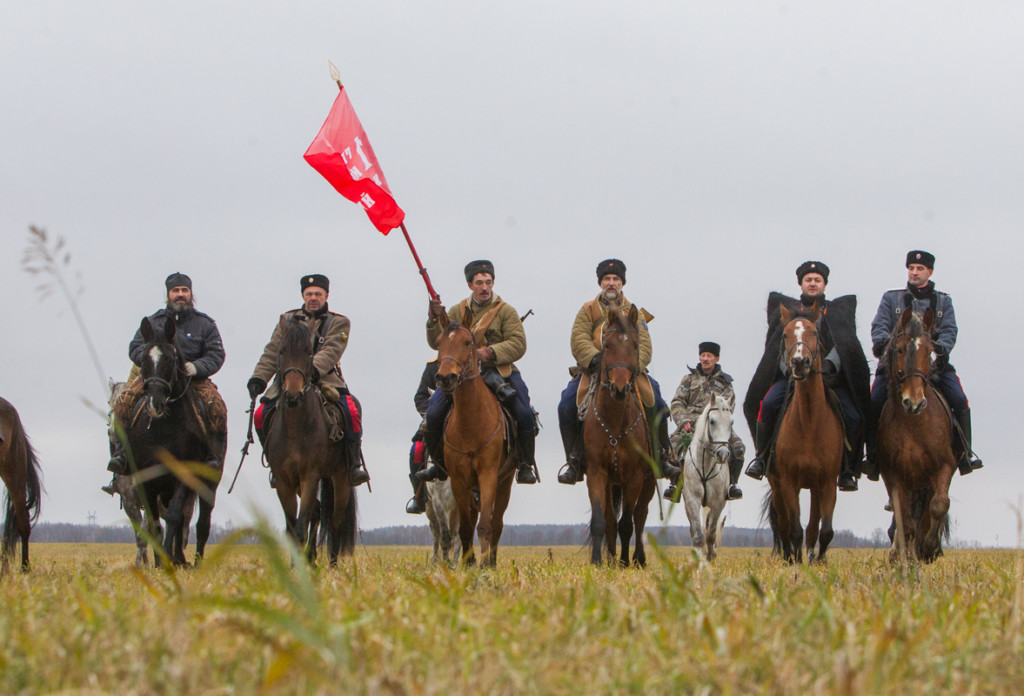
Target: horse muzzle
[(447, 382), (294, 399), (912, 406)]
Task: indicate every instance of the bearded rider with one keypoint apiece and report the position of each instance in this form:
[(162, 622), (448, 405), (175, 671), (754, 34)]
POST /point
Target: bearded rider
[(198, 339), (585, 341), (918, 295), (504, 342), (329, 331), (691, 398), (844, 366)]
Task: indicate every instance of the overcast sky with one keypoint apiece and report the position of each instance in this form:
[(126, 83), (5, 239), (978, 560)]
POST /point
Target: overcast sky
[(711, 146)]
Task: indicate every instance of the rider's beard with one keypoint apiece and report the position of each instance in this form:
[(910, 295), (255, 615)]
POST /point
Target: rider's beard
[(178, 306), (611, 294)]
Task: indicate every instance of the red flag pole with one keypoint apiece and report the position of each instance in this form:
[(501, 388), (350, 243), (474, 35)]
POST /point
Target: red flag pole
[(419, 264)]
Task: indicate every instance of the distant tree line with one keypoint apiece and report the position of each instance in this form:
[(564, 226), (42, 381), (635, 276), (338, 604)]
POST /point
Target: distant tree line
[(514, 535)]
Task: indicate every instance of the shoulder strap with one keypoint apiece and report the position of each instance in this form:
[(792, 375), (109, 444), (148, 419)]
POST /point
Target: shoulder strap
[(481, 325), (321, 333)]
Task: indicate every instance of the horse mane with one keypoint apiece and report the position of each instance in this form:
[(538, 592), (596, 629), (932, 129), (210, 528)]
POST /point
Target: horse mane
[(296, 339)]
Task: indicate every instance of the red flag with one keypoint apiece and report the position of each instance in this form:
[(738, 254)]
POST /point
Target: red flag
[(341, 153)]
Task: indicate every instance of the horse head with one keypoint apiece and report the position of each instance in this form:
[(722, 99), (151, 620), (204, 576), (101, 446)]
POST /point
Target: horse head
[(295, 362), (718, 428), (620, 342), (456, 353), (162, 367), (909, 359), (800, 340)]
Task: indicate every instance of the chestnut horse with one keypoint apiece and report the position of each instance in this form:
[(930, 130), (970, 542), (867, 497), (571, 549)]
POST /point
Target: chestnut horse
[(809, 448), (617, 445), (476, 452), (303, 458), (19, 470), (915, 453)]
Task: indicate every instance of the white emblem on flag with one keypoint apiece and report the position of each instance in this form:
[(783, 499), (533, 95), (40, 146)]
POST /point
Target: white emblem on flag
[(366, 201)]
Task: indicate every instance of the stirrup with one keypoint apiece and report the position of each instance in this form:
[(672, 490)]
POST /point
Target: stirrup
[(431, 473), (525, 475), (756, 469), (569, 474), (357, 476), (847, 483), (415, 507), (117, 465), (735, 493), (671, 493)]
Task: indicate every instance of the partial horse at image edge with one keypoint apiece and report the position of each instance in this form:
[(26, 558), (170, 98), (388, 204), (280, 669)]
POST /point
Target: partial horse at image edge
[(20, 472)]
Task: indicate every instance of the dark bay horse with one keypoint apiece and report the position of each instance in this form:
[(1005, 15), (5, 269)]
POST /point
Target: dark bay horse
[(302, 456), (809, 448), (169, 448), (476, 451), (915, 453), (19, 470), (617, 445)]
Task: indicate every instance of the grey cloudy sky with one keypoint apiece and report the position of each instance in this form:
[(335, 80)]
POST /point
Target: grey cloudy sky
[(712, 146)]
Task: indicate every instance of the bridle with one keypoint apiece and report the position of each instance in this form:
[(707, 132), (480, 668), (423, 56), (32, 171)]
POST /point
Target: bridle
[(814, 354), (909, 358), (466, 371), (708, 445), (164, 384), (606, 370)]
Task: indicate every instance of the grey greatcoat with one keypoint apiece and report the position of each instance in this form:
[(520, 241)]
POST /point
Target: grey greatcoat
[(895, 302), (333, 342)]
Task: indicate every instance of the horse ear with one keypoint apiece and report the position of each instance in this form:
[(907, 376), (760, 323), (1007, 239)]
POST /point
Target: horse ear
[(906, 320), (928, 320), (784, 314), (815, 311), (146, 329), (467, 317), (443, 320), (169, 329), (634, 315)]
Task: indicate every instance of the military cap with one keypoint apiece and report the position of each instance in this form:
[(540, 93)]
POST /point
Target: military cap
[(478, 266), (710, 347), (611, 267), (811, 267), (922, 257), (178, 280), (317, 279)]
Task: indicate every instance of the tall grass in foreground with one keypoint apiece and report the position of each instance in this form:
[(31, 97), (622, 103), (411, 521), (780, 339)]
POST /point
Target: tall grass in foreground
[(389, 622)]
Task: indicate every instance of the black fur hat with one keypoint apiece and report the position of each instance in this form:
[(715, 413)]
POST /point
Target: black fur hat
[(710, 347), (611, 267), (811, 267), (317, 279), (178, 280), (922, 257), (478, 266)]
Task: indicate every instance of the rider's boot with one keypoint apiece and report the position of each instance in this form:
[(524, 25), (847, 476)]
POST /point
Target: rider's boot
[(666, 459), (118, 463), (735, 468), (869, 467), (572, 471), (218, 444), (968, 461), (848, 472), (418, 504), (497, 384), (757, 467), (357, 473), (435, 470), (110, 488), (526, 446)]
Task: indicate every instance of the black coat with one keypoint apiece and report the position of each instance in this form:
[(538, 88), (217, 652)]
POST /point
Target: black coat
[(428, 383), (197, 337), (837, 328)]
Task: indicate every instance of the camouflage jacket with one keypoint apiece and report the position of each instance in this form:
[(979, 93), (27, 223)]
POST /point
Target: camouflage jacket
[(326, 361), (585, 340), (505, 334), (694, 393)]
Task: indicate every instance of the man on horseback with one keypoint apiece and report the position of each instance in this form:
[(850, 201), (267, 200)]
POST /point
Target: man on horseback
[(585, 342), (198, 339), (692, 396), (844, 365), (330, 338), (502, 341), (417, 453), (918, 295)]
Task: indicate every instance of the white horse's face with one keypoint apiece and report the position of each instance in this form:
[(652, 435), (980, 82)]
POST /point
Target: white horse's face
[(718, 427)]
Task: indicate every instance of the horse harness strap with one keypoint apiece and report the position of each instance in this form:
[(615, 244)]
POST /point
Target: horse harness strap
[(614, 440), (472, 453)]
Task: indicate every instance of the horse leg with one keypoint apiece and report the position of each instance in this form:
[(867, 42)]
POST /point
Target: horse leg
[(711, 531), (640, 521), (790, 533), (307, 500), (596, 485), (610, 521), (813, 523), (342, 499), (692, 501), (174, 518), (501, 499), (903, 543), (462, 490), (828, 508), (937, 510), (23, 525), (488, 482), (289, 506), (626, 526)]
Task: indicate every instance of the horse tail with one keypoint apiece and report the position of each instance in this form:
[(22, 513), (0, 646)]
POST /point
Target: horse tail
[(918, 506), (33, 485), (617, 500), (326, 511), (769, 515)]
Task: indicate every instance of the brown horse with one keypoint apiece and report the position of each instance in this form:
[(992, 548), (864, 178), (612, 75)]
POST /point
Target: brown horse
[(303, 458), (476, 451), (914, 444), (19, 470), (809, 448), (617, 445)]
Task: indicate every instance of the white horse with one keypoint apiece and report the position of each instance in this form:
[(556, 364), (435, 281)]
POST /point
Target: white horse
[(706, 475), (444, 521)]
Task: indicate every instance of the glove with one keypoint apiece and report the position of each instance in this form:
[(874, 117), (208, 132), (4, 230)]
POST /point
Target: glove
[(435, 310), (595, 362), (878, 349), (256, 386), (190, 369), (314, 377)]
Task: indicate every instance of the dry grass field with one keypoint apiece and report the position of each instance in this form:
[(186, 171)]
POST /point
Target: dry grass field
[(544, 622)]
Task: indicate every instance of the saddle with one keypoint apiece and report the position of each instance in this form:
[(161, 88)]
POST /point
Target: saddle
[(833, 402), (204, 400)]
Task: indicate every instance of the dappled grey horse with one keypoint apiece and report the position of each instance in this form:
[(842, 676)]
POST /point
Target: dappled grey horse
[(706, 475)]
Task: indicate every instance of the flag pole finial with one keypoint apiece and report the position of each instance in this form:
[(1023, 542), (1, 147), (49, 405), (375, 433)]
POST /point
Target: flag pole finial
[(335, 73)]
